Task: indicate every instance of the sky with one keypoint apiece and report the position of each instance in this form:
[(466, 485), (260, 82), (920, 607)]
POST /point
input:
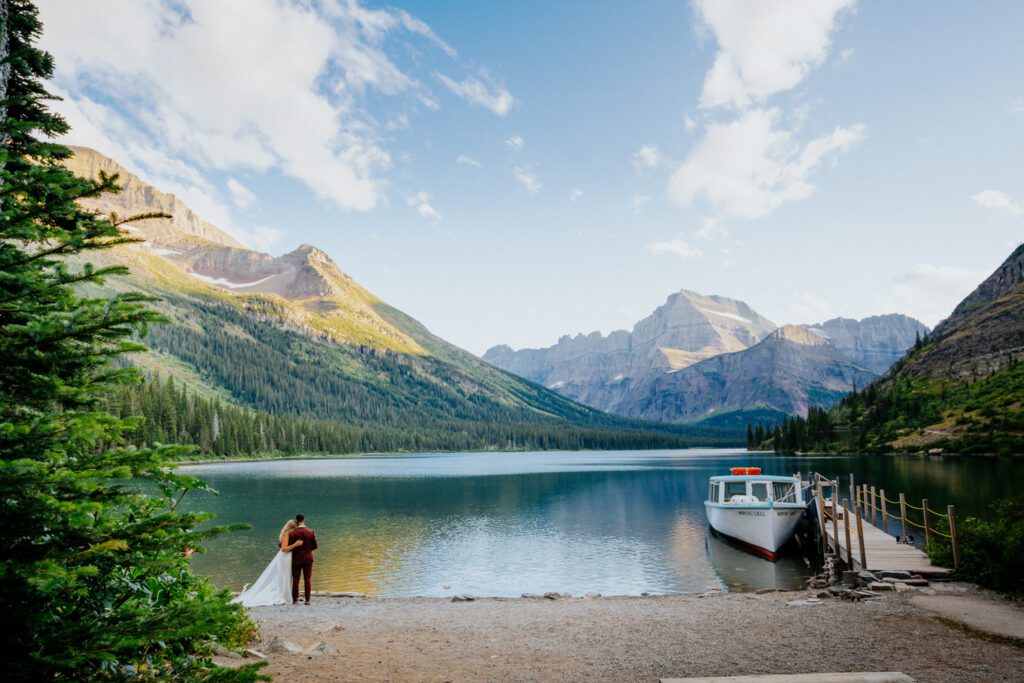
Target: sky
[(508, 173)]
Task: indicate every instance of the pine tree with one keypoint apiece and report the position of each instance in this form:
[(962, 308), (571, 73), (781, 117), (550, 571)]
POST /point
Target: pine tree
[(94, 581)]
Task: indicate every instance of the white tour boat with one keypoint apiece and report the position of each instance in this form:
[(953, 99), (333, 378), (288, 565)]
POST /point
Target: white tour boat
[(756, 510)]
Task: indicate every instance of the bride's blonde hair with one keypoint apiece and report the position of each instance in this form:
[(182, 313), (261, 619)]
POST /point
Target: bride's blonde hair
[(287, 529)]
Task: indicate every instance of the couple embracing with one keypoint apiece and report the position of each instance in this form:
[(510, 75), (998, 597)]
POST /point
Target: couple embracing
[(294, 560)]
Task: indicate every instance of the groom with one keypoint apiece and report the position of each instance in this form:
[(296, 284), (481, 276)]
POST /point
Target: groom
[(302, 557)]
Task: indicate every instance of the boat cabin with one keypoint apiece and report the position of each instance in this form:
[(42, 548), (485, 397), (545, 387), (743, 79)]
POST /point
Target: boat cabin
[(747, 489)]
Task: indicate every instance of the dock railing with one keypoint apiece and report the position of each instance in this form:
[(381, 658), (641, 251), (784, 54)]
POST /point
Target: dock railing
[(871, 505)]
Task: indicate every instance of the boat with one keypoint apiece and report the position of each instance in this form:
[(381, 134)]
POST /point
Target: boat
[(758, 511)]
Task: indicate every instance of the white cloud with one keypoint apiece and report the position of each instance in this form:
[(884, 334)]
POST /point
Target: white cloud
[(749, 167), (427, 211), (515, 142), (240, 194), (528, 179), (688, 122), (464, 160), (998, 201), (487, 95), (843, 57), (807, 308), (263, 237), (928, 292), (711, 229), (1017, 105), (647, 157), (764, 47), (421, 200), (575, 194), (638, 200), (190, 81), (674, 247)]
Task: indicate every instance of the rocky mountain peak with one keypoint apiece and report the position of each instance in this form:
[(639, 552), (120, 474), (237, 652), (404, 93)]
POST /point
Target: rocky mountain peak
[(138, 196), (1006, 278), (798, 334)]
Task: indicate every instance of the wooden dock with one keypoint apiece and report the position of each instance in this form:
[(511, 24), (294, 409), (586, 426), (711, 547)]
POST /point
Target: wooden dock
[(847, 531)]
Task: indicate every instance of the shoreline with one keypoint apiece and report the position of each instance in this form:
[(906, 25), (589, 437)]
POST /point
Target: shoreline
[(354, 456), (636, 638)]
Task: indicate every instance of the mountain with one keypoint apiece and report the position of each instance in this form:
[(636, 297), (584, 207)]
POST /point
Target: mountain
[(598, 370), (983, 335), (960, 389), (294, 336), (789, 371), (875, 342)]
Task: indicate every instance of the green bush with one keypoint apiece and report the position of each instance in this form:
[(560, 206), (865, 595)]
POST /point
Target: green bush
[(991, 551)]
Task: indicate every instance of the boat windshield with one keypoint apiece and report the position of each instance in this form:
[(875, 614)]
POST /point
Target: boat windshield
[(759, 489), (784, 492), (734, 488)]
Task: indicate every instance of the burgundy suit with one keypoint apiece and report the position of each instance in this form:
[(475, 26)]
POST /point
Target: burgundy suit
[(302, 559)]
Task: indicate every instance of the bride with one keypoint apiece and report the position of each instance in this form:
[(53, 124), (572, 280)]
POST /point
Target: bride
[(274, 587)]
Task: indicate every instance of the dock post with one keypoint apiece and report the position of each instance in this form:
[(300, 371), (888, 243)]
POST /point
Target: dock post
[(846, 525), (853, 488), (874, 507), (835, 516), (822, 542), (885, 512), (860, 542), (927, 524), (903, 513), (952, 537)]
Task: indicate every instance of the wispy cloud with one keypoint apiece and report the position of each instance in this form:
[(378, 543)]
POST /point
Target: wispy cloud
[(638, 200), (421, 200), (575, 194), (674, 247), (998, 200), (516, 142), (749, 167), (240, 194), (464, 160), (929, 292), (528, 179), (647, 157), (1017, 105), (487, 95)]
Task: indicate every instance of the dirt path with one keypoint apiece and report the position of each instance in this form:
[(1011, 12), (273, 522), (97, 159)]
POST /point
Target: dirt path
[(626, 639)]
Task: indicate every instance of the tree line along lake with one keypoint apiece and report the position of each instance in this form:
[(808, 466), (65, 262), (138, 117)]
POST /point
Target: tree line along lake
[(503, 524)]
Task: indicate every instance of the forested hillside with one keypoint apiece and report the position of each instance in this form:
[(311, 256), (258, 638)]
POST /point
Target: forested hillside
[(961, 389)]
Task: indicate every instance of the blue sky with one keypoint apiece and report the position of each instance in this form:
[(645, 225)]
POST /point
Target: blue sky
[(512, 172)]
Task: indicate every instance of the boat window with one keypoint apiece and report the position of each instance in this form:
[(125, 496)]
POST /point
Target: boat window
[(735, 488), (759, 489), (713, 492), (784, 493)]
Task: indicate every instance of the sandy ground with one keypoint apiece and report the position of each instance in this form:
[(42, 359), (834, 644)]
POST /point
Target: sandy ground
[(630, 639)]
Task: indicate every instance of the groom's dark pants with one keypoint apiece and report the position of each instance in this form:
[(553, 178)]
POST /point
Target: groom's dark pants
[(306, 569)]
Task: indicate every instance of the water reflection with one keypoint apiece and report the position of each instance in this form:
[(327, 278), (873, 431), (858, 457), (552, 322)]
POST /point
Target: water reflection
[(508, 523)]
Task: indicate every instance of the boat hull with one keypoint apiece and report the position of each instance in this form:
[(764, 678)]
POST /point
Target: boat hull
[(763, 529)]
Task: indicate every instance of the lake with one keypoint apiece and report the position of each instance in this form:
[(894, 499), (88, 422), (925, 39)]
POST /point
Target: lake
[(503, 524)]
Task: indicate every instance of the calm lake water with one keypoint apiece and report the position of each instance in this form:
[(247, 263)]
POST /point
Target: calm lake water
[(502, 524)]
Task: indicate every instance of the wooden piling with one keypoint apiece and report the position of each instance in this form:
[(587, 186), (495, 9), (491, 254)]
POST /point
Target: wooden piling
[(822, 541), (853, 488), (835, 516), (860, 542), (885, 511), (952, 536), (903, 512), (874, 507), (927, 524), (846, 526)]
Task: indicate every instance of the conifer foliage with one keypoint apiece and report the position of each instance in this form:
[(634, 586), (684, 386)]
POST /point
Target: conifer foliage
[(94, 579)]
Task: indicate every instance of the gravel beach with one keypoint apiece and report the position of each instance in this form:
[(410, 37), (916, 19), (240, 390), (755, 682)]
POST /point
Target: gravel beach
[(631, 639)]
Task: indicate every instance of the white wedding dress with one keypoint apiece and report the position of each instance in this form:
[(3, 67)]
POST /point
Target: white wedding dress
[(274, 587)]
